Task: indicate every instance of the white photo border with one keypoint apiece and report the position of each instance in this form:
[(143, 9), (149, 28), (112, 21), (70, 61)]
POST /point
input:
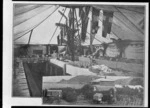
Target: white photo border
[(8, 100)]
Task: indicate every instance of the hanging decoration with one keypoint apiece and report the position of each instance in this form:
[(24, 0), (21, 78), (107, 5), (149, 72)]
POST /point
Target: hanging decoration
[(95, 20), (107, 22), (83, 13)]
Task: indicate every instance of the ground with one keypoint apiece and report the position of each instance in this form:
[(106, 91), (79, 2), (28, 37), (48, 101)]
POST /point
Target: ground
[(81, 101), (125, 101)]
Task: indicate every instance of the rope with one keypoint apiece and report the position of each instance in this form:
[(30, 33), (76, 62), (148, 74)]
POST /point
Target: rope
[(130, 10), (32, 16), (120, 8), (56, 28), (129, 20), (37, 24)]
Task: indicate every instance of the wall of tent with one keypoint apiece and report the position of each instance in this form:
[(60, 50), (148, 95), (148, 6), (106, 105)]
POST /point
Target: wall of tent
[(100, 22)]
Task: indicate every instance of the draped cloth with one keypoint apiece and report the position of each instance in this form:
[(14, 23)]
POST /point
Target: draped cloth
[(94, 23), (95, 19), (107, 22), (83, 13)]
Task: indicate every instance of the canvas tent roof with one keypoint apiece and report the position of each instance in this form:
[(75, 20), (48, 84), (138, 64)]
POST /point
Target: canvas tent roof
[(128, 23)]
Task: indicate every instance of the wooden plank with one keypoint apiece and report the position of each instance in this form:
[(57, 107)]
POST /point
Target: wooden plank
[(20, 74), (34, 90), (23, 86), (23, 89), (21, 77), (21, 71), (22, 81), (25, 92), (64, 70)]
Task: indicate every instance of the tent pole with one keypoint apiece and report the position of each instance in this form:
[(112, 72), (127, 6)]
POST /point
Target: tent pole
[(30, 36), (71, 37), (36, 25), (91, 47), (29, 41), (57, 27), (78, 32), (73, 48)]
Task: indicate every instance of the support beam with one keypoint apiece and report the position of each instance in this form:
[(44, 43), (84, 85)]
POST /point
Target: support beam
[(57, 27), (36, 25), (73, 48), (64, 70), (30, 36), (78, 32), (29, 42), (91, 36)]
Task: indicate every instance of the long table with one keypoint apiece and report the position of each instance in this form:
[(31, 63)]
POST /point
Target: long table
[(69, 69), (132, 67)]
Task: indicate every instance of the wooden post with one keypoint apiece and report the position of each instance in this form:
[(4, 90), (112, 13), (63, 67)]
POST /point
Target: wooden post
[(55, 67), (78, 32), (62, 35), (51, 69), (91, 36), (30, 36), (72, 35), (64, 69), (27, 51)]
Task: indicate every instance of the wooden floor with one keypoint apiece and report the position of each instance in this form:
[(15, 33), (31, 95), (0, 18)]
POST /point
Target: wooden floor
[(20, 85)]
